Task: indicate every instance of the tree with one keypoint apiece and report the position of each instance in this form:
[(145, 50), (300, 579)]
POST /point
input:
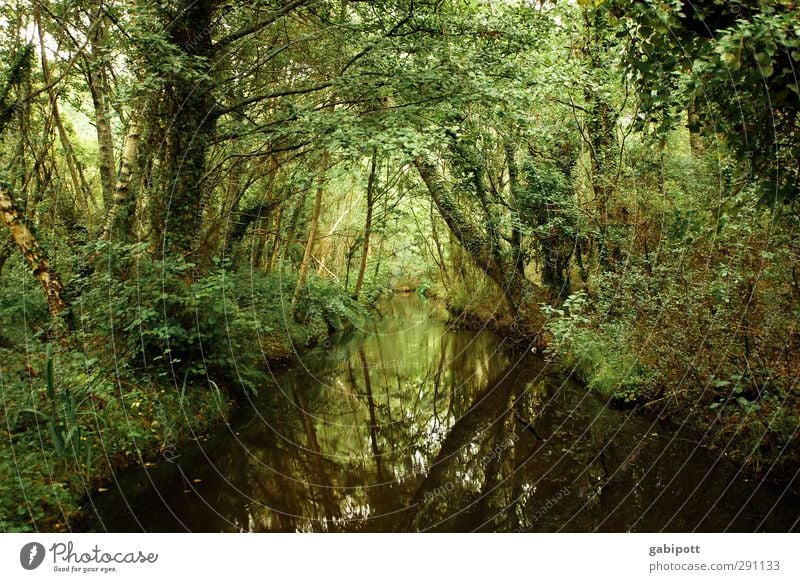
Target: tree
[(312, 235), (362, 266), (33, 252), (22, 235), (733, 64)]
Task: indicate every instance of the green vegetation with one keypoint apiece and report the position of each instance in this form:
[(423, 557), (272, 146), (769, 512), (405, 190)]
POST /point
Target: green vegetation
[(152, 360), (194, 191)]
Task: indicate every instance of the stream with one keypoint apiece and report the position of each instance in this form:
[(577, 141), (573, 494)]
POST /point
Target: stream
[(411, 424)]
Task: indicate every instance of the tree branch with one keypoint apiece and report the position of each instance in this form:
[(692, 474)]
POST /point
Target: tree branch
[(252, 29), (219, 112)]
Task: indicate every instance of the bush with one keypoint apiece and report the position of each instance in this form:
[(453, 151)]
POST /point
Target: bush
[(166, 323), (601, 356), (324, 303)]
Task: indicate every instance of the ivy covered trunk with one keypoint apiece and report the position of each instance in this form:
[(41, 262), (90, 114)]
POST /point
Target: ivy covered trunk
[(600, 126), (308, 253), (97, 81), (187, 105), (521, 294)]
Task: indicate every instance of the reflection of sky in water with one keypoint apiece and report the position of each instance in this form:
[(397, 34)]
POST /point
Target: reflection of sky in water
[(408, 425)]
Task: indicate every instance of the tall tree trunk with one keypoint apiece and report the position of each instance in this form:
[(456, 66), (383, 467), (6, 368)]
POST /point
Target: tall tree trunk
[(276, 241), (312, 236), (266, 220), (32, 251), (377, 270), (599, 135), (79, 184), (438, 245), (368, 223), (98, 87), (291, 228), (117, 224), (187, 107), (513, 185), (601, 138)]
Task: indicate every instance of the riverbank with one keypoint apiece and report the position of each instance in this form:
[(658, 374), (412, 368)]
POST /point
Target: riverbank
[(76, 427), (749, 416), (138, 385), (61, 459), (634, 363)]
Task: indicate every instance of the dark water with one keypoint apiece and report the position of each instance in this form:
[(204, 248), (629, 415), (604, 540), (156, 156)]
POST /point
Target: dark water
[(409, 425)]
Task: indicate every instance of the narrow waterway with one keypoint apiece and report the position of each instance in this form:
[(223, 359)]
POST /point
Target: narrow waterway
[(412, 425)]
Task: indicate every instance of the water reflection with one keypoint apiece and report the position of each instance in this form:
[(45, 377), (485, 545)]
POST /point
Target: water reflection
[(409, 425)]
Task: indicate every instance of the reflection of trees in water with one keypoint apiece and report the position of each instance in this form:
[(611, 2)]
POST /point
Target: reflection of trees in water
[(377, 418), (474, 459)]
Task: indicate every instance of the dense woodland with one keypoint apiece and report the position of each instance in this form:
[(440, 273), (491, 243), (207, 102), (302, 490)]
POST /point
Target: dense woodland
[(193, 190)]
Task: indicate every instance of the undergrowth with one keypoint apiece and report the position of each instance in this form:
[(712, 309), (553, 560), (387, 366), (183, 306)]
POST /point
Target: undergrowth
[(160, 356)]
